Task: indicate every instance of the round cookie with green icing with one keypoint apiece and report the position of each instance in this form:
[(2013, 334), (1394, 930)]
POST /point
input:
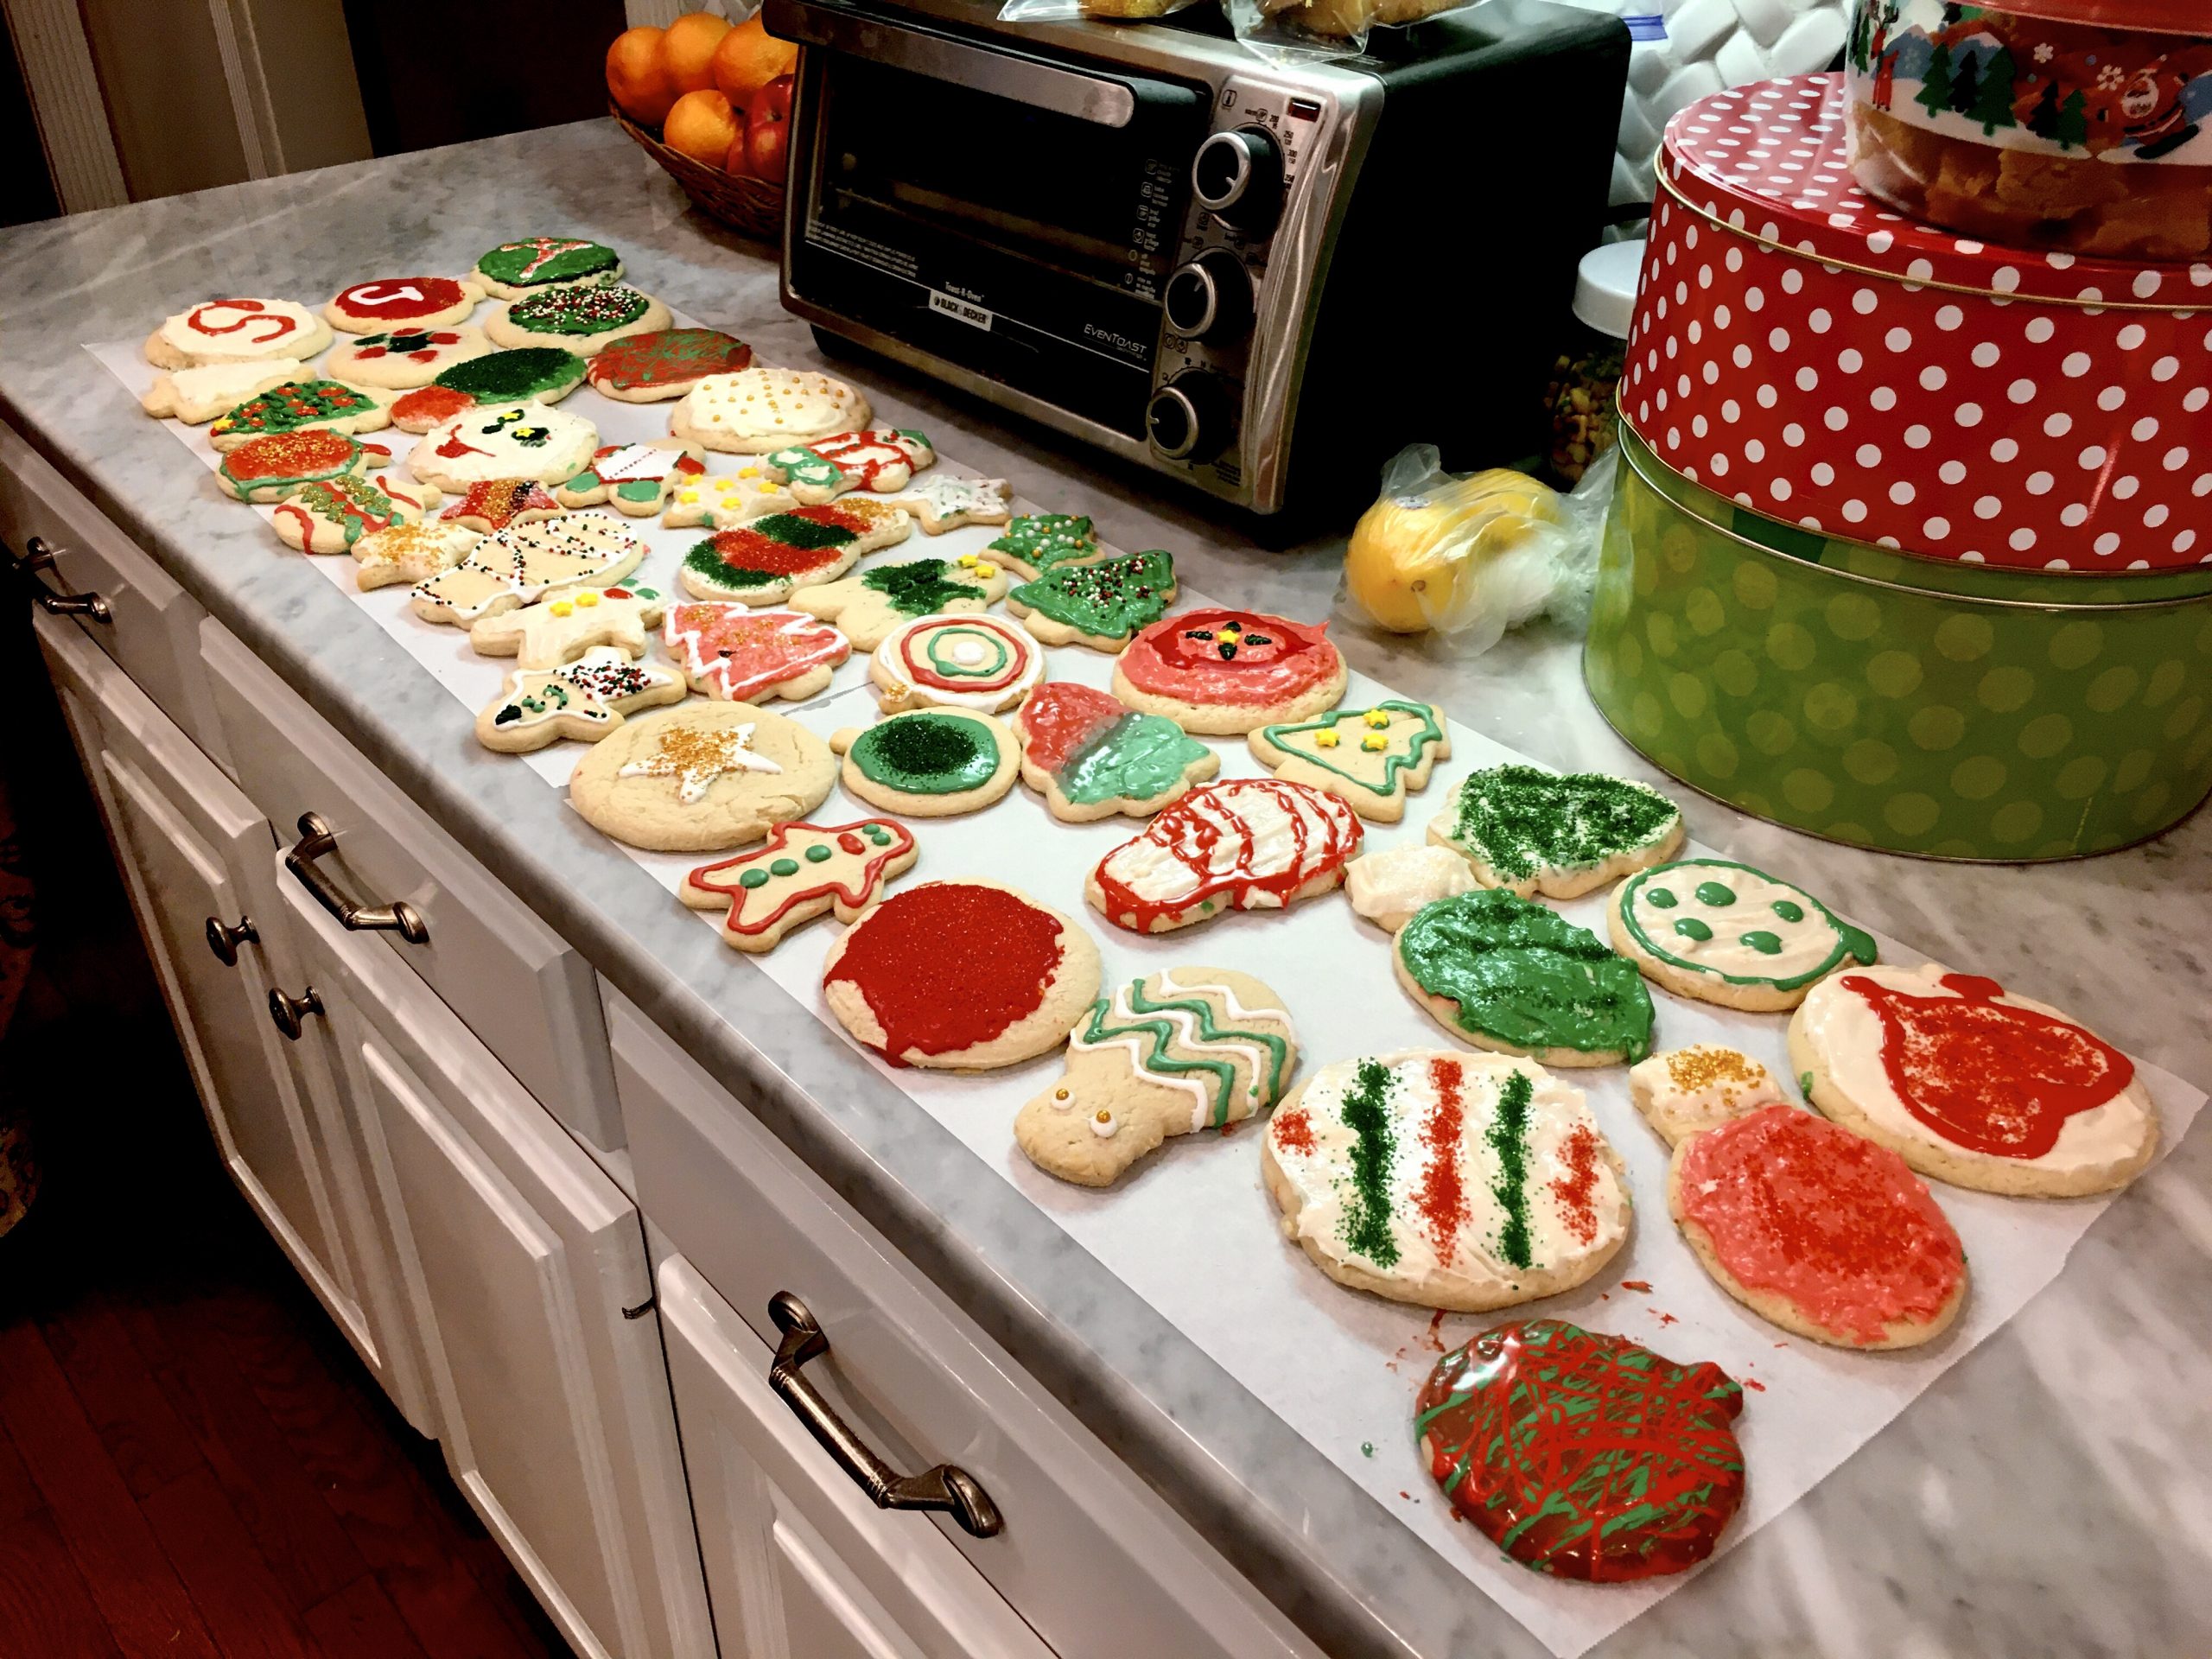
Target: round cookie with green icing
[(1099, 603), (1502, 972), (514, 270), (537, 374), (585, 318), (1727, 933), (1534, 831), (930, 763)]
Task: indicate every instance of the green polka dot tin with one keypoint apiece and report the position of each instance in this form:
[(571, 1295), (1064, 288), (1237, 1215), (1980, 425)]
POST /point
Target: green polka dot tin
[(1952, 711)]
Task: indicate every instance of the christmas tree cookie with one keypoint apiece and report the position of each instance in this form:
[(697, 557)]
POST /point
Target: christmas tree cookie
[(300, 406), (1371, 758), (584, 700), (763, 561), (1034, 543), (1099, 603), (738, 655), (1534, 831), (869, 605), (636, 477), (803, 870), (1727, 933), (1091, 758)]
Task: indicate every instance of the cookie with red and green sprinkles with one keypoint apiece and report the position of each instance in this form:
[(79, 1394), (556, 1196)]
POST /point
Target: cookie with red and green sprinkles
[(583, 318), (1100, 603), (269, 468), (1032, 543), (516, 268), (297, 405), (665, 362), (539, 374), (763, 561)]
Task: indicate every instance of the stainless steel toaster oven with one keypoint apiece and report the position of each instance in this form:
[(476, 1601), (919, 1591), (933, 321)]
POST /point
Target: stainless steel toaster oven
[(1260, 280)]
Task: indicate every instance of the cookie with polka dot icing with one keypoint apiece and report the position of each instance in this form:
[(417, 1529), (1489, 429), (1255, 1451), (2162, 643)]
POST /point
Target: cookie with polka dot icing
[(757, 411), (803, 870), (930, 763), (1725, 933)]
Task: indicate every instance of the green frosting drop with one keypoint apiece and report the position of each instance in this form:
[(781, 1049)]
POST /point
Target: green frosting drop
[(1712, 892), (1524, 975), (1788, 910), (1690, 928), (820, 852), (1661, 898), (932, 753), (783, 866), (755, 877), (1767, 944)]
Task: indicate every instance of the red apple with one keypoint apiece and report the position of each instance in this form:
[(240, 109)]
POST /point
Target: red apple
[(768, 128)]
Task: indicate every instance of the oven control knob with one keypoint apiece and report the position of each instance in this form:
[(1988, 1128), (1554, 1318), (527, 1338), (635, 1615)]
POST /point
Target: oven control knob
[(1211, 298), (1190, 418), (1238, 177)]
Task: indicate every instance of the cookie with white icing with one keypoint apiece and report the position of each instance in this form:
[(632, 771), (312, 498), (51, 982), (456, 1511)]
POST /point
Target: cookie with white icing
[(637, 478), (955, 661), (197, 396), (1682, 1091), (1250, 843), (523, 563), (701, 776), (944, 502), (237, 331), (1388, 887), (929, 763), (585, 700), (1179, 1050), (404, 359), (756, 411), (563, 625), (1561, 834), (1371, 758), (1725, 933), (882, 460), (501, 440), (409, 553)]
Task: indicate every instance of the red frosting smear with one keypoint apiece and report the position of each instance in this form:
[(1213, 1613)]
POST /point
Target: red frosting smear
[(1209, 832), (1294, 1130), (1241, 657), (290, 454), (1061, 718), (1985, 1075), (1577, 1190), (429, 405), (1837, 1227), (1441, 1197), (949, 964), (260, 325), (399, 298)]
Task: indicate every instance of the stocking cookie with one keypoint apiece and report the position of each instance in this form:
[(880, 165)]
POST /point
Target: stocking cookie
[(492, 504), (663, 363), (728, 499), (1019, 974), (869, 605), (700, 778), (738, 655), (1229, 671), (636, 477), (197, 396), (1372, 758), (332, 514), (1534, 831), (955, 661), (1183, 1050), (1033, 544), (584, 700), (1727, 933), (402, 302), (1097, 602), (882, 461), (409, 553), (756, 411), (236, 331), (1682, 1092), (942, 502), (562, 627), (763, 561), (269, 469), (503, 441), (803, 870), (1092, 758), (1251, 843), (533, 374), (300, 406), (404, 358), (579, 317), (930, 763), (514, 270), (523, 563), (1388, 888)]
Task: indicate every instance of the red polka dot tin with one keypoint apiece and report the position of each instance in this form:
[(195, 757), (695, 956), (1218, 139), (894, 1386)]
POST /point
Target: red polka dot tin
[(1831, 363)]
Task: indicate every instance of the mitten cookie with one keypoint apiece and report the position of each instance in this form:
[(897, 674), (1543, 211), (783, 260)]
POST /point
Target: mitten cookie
[(930, 763), (1252, 844), (1388, 888), (1093, 757), (882, 461), (1372, 758), (584, 700), (803, 870)]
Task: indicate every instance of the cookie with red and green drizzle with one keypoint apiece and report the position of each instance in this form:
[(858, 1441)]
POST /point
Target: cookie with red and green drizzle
[(514, 269), (761, 563), (802, 871), (1583, 1455), (298, 406), (1092, 758), (663, 363), (271, 469), (1100, 603), (1229, 671), (330, 515)]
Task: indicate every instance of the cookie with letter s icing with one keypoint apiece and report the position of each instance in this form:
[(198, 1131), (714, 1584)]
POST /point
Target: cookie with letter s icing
[(197, 396), (943, 501), (1446, 1178), (236, 331), (763, 561), (1681, 1092), (1504, 973), (403, 358), (1532, 831), (1100, 603), (929, 763), (1032, 544), (301, 406), (271, 469), (1091, 758), (516, 268), (955, 661), (332, 514), (1179, 1051), (1251, 843), (882, 461), (1388, 887), (580, 317), (523, 563), (960, 975), (584, 700), (532, 374), (1225, 671), (492, 504), (503, 441), (1971, 1084), (870, 605), (402, 302), (1818, 1230), (738, 654), (562, 627), (1581, 1455), (802, 870), (657, 363), (700, 778), (726, 500), (409, 553), (635, 476), (1372, 758), (1725, 933), (757, 411)]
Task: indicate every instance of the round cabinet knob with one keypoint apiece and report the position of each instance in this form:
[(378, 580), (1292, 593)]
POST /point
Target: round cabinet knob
[(287, 1012), (1190, 418), (224, 940), (1238, 177), (1211, 298)]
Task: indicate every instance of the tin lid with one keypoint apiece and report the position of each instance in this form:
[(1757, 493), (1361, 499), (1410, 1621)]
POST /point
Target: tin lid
[(1604, 287), (2156, 17), (1769, 160)]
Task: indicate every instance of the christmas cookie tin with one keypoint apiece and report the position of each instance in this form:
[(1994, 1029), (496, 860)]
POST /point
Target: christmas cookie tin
[(1822, 688), (1815, 357)]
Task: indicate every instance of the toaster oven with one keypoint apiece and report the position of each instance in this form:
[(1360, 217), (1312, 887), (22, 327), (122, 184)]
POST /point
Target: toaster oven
[(1260, 280)]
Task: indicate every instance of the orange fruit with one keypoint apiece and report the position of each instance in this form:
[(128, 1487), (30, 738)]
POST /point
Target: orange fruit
[(687, 50), (702, 126), (748, 58), (634, 78)]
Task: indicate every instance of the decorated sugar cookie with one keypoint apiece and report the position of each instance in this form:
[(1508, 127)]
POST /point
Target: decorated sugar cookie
[(955, 661), (533, 374), (1372, 758), (1230, 671), (929, 763), (271, 469), (1033, 544), (503, 441), (960, 975), (584, 700), (636, 477), (1683, 1090), (763, 561), (726, 500), (1099, 603), (236, 331), (1817, 1229), (409, 553), (300, 406), (402, 302), (1449, 1179), (515, 269), (757, 411), (802, 870), (562, 627), (1534, 831), (1252, 844), (701, 776), (492, 504), (1582, 1455), (882, 460), (869, 605), (1727, 933), (579, 317), (1092, 758), (1503, 973), (663, 363), (1183, 1050), (197, 396), (418, 411), (523, 563), (1388, 887), (403, 358), (332, 514), (942, 502), (1971, 1084), (738, 655)]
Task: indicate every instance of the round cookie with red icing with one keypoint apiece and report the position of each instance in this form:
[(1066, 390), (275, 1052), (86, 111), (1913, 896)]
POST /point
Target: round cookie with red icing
[(1251, 843), (663, 363), (1818, 1230), (402, 302), (1225, 672), (961, 975), (1970, 1084), (1582, 1455)]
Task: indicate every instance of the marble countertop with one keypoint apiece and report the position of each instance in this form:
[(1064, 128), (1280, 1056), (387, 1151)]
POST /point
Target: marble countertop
[(2045, 1497)]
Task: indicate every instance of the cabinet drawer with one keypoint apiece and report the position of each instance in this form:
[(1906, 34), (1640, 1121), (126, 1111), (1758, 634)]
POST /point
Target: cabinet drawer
[(530, 999), (152, 629)]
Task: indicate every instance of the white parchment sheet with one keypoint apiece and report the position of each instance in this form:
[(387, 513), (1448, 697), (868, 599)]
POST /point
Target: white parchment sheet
[(1191, 1229)]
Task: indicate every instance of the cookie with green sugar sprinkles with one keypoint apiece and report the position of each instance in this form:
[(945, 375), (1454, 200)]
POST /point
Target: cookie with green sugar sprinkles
[(929, 762), (1561, 834), (872, 605), (1505, 972), (1032, 543), (542, 374), (1725, 933)]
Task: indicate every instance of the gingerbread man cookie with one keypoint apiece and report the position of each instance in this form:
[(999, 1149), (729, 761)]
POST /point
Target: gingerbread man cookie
[(584, 700), (636, 477), (803, 870)]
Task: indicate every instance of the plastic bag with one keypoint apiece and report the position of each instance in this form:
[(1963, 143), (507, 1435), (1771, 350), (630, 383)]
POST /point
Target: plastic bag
[(1468, 558), (1105, 12), (1282, 31)]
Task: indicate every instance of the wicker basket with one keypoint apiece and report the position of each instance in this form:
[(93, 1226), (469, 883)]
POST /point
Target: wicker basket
[(750, 206)]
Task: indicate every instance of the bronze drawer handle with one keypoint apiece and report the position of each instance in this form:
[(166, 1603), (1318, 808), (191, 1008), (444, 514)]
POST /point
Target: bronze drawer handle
[(290, 1012), (38, 556), (224, 938), (316, 838), (944, 1487)]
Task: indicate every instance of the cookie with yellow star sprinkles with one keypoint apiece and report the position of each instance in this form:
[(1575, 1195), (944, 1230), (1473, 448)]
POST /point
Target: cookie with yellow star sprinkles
[(700, 778), (1370, 758)]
